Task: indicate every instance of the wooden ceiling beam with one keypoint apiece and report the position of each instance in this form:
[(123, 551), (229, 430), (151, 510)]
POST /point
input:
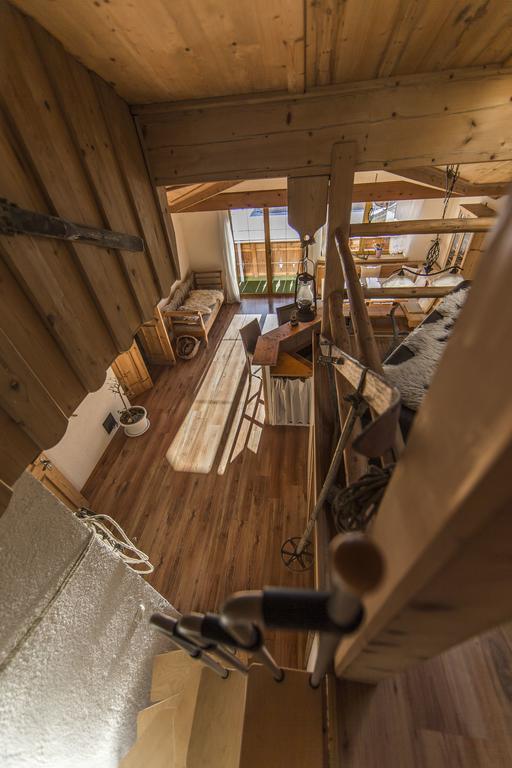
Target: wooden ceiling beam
[(422, 227), (228, 201), (379, 191), (436, 178), (195, 194), (461, 116)]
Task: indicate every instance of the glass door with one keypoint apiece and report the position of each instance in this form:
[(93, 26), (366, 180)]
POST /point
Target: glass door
[(267, 251), (285, 252)]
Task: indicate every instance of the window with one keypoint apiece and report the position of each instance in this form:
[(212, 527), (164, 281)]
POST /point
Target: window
[(268, 250), (371, 212)]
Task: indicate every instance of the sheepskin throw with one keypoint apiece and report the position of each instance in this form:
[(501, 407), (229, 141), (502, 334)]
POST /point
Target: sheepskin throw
[(411, 366), (203, 300)]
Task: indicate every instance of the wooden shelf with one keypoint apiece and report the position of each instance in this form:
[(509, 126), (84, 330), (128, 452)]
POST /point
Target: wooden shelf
[(292, 365)]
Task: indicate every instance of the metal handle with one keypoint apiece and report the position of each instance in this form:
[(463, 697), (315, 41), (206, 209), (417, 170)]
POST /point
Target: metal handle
[(191, 626), (236, 618), (168, 626)]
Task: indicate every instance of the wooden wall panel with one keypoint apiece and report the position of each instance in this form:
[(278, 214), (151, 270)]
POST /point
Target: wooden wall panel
[(76, 96), (5, 496), (69, 147), (17, 449)]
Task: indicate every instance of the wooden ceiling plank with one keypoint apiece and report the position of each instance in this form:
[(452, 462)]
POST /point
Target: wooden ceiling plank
[(417, 121), (184, 49), (293, 17), (408, 16)]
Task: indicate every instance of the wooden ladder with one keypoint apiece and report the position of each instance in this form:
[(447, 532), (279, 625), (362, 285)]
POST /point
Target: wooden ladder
[(198, 720)]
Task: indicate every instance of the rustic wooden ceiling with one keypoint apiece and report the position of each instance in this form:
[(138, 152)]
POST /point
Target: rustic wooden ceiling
[(164, 50)]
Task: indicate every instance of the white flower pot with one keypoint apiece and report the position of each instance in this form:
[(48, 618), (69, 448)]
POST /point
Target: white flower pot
[(138, 427)]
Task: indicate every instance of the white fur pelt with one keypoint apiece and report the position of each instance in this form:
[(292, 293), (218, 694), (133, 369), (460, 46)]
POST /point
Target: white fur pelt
[(412, 377)]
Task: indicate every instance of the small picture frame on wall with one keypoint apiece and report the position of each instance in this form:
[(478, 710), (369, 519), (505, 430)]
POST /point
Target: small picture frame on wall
[(110, 423)]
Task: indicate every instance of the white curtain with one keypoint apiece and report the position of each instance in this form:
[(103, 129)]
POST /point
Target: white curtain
[(290, 401), (228, 258), (317, 250)]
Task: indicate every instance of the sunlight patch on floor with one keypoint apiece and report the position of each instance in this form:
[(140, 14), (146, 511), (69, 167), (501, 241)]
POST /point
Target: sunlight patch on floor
[(245, 432), (197, 442)]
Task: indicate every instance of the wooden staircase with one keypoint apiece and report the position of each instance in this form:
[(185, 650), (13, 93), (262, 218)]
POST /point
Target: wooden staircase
[(198, 720)]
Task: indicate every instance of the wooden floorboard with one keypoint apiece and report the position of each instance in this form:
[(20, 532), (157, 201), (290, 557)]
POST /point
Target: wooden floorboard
[(453, 711), (217, 530)]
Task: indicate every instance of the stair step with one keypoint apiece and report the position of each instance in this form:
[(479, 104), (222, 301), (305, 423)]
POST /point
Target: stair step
[(203, 721), (216, 736), (170, 674), (147, 715), (156, 747), (282, 722)]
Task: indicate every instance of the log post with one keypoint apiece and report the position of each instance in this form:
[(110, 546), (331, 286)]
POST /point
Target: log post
[(444, 524)]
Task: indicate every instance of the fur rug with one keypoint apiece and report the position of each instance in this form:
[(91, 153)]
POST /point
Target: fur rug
[(411, 366)]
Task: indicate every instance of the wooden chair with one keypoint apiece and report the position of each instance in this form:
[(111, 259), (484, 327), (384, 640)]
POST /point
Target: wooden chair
[(250, 334), (285, 312)]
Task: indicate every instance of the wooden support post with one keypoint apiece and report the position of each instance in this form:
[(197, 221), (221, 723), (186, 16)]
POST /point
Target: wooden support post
[(362, 326), (322, 427), (268, 251), (444, 524), (343, 162), (333, 320)]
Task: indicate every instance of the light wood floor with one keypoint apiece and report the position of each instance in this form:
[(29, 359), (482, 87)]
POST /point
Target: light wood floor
[(209, 492)]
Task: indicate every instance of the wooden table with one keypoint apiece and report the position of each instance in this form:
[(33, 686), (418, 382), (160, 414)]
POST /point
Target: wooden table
[(284, 339)]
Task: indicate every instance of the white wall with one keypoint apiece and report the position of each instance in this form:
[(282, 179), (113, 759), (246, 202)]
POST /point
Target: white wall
[(85, 439), (202, 235), (181, 242)]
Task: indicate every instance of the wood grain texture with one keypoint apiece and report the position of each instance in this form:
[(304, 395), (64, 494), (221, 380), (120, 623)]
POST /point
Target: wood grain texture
[(282, 723), (455, 549), (69, 148), (194, 49), (261, 198), (346, 41), (307, 204), (454, 710), (423, 227), (343, 162), (418, 120), (210, 534)]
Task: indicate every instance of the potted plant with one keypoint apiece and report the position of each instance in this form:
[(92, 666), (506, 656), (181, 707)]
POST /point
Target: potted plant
[(133, 418)]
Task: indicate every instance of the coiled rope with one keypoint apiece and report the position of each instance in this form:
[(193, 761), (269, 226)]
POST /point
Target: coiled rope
[(134, 558), (354, 506)]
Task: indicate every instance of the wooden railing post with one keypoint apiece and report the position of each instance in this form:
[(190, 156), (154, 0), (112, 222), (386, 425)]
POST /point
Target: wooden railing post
[(444, 524)]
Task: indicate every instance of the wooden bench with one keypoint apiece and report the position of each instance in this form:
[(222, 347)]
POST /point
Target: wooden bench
[(192, 322)]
